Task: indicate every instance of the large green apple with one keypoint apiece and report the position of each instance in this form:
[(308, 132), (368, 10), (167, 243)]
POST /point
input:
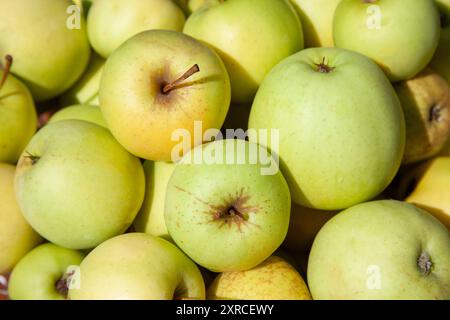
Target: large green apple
[(45, 273), (317, 21), (18, 119), (112, 22), (441, 61), (401, 36), (138, 266), (251, 36), (77, 186), (50, 47), (222, 210), (340, 123), (381, 250), (151, 216), (80, 112), (16, 235), (158, 82)]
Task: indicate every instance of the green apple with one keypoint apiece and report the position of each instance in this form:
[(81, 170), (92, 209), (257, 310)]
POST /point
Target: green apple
[(77, 186), (85, 91), (138, 266), (426, 103), (251, 36), (441, 62), (16, 235), (381, 250), (18, 119), (50, 47), (151, 216), (160, 81), (317, 21), (80, 112), (112, 22), (340, 123), (401, 36), (45, 273), (273, 279), (218, 208)]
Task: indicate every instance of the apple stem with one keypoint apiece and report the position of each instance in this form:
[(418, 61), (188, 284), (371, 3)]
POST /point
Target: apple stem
[(170, 86), (7, 68), (34, 159), (323, 67)]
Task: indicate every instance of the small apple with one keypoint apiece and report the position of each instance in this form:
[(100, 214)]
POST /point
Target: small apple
[(18, 119), (340, 124), (45, 273), (138, 266), (16, 235), (77, 186), (441, 62), (401, 36), (88, 113), (317, 21), (112, 22), (218, 209), (49, 45), (426, 104), (273, 279), (160, 81), (381, 250), (151, 216), (251, 36)]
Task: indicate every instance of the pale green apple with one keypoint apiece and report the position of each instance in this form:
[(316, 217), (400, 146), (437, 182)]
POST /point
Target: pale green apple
[(401, 36), (340, 124), (151, 216), (49, 45), (77, 186), (18, 119), (85, 91), (317, 21), (223, 210), (158, 82), (45, 273), (80, 112), (138, 266), (441, 61), (381, 250), (16, 235), (251, 36), (112, 22)]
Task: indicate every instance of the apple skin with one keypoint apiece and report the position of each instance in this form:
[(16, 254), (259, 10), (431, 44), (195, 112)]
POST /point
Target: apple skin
[(85, 91), (199, 198), (138, 266), (317, 21), (18, 118), (83, 188), (87, 113), (151, 216), (405, 41), (139, 115), (441, 62), (36, 275), (49, 57), (112, 22), (274, 279), (251, 36), (341, 134), (426, 104), (381, 240), (16, 235)]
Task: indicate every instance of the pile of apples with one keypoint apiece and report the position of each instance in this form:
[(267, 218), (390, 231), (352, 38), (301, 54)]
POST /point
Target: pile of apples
[(225, 149)]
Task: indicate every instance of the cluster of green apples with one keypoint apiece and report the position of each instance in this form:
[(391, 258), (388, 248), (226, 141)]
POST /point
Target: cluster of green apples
[(348, 99)]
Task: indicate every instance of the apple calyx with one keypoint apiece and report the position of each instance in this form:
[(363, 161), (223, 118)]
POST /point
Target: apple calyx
[(62, 285), (6, 69), (167, 88), (323, 67), (435, 114), (33, 158), (424, 263)]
